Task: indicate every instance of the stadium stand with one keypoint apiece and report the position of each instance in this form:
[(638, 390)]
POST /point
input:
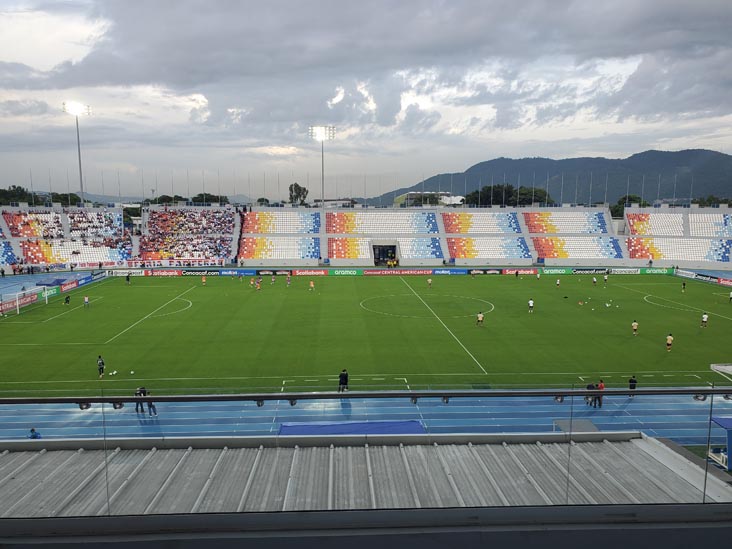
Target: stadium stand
[(279, 248), (679, 249), (281, 222), (710, 224), (655, 224), (554, 222), (564, 247), (34, 224), (188, 233), (94, 224), (420, 248), (7, 255), (488, 248), (349, 248), (381, 222), (481, 222)]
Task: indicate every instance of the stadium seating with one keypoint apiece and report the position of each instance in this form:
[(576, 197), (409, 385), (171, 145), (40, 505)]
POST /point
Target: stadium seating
[(577, 247), (420, 248), (182, 221), (488, 248), (94, 224), (76, 251), (281, 222), (7, 256), (655, 224), (566, 222), (481, 222), (710, 224), (34, 224), (394, 222), (680, 249), (279, 247), (349, 248)]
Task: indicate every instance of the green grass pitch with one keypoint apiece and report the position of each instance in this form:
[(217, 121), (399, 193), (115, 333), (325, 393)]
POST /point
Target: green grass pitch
[(390, 332)]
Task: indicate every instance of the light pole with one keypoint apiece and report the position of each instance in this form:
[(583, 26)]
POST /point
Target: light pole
[(322, 134), (74, 108)]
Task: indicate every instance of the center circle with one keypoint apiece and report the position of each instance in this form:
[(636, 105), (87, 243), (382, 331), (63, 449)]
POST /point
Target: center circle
[(411, 306)]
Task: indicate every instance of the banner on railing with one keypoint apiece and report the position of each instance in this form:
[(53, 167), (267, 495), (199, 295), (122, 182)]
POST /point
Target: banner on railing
[(624, 271), (474, 272), (556, 271), (347, 272), (656, 270), (397, 272), (725, 281), (20, 302), (514, 272), (449, 271), (163, 272), (68, 286), (310, 272)]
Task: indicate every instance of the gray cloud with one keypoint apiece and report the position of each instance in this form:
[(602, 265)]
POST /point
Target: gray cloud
[(23, 108)]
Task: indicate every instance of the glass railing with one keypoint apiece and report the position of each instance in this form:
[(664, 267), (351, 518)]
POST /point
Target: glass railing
[(300, 449)]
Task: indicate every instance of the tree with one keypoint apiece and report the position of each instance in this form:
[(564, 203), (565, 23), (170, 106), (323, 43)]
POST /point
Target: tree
[(618, 210), (262, 201), (298, 194), (505, 195), (207, 198)]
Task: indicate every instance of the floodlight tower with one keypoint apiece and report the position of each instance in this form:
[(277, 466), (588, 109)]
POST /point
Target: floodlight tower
[(75, 109), (322, 134)]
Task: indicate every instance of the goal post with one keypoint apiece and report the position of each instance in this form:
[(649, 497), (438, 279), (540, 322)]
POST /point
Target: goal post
[(17, 301)]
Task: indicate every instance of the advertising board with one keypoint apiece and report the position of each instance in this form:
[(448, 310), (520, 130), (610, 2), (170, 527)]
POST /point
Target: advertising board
[(520, 271), (310, 272), (396, 272), (347, 272)]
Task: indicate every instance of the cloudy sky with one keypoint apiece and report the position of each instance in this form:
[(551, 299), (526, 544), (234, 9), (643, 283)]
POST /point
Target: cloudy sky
[(221, 93)]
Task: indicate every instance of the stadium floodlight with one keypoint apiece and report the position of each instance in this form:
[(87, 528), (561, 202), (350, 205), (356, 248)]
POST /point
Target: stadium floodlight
[(322, 134), (75, 108)]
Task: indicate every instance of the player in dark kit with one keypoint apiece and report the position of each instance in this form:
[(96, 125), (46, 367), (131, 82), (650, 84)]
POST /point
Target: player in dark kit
[(343, 381)]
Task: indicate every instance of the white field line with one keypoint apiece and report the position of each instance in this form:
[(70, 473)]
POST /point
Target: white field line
[(688, 307), (244, 378), (110, 340), (444, 326), (725, 376), (73, 309)]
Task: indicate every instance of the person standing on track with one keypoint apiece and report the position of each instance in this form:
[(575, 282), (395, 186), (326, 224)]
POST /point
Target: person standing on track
[(343, 381), (632, 384), (100, 366)]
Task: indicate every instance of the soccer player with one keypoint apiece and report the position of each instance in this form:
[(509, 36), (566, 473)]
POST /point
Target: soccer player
[(100, 366), (479, 322), (259, 284), (429, 283), (634, 325), (531, 305), (600, 387), (289, 280), (669, 342), (730, 297), (311, 286), (203, 280), (67, 300), (594, 281), (86, 301), (557, 283), (604, 280), (251, 282), (632, 383), (704, 319), (127, 279), (343, 381), (273, 280), (683, 287)]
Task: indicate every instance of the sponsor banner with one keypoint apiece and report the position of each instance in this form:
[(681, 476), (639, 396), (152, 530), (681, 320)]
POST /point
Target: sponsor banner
[(706, 278), (21, 302), (67, 286), (237, 272), (656, 271), (449, 271), (51, 291), (589, 271), (624, 271), (685, 274), (85, 280), (125, 272), (397, 272), (163, 272), (519, 271), (347, 272), (725, 281), (556, 271), (474, 272), (265, 272), (97, 276), (310, 272), (201, 272)]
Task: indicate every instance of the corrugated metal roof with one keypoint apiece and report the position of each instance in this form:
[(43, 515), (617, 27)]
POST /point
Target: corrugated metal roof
[(322, 477)]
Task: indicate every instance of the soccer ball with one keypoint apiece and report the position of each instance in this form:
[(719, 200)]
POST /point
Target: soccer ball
[(132, 372)]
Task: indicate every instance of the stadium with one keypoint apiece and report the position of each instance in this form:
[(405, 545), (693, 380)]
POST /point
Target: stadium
[(238, 321)]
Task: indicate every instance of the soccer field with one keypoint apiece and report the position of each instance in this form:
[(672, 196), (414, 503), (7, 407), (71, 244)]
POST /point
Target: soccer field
[(391, 332)]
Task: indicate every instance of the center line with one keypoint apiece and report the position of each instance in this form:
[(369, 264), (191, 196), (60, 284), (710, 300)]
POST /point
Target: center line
[(444, 326), (148, 315)]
